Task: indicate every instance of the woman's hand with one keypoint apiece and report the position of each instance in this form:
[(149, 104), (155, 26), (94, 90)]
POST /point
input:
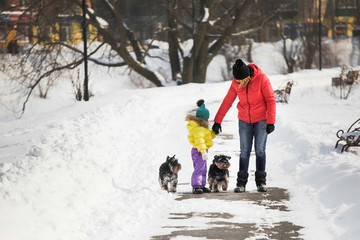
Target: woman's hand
[(216, 128), (270, 128)]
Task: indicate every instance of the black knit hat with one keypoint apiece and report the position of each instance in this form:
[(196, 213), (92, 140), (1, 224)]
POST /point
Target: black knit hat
[(240, 70)]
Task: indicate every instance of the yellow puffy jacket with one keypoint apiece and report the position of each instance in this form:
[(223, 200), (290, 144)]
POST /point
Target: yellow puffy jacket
[(200, 136)]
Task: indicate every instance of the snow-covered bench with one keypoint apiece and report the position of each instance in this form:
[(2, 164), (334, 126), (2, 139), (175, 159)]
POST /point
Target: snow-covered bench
[(351, 137), (283, 94)]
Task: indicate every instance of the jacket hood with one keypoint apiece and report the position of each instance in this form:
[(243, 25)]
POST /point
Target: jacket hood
[(198, 120), (254, 70)]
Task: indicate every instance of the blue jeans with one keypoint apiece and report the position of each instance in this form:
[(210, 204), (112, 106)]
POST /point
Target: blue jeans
[(248, 132)]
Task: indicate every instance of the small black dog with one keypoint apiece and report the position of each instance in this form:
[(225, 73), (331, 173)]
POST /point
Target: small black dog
[(168, 174), (218, 176)]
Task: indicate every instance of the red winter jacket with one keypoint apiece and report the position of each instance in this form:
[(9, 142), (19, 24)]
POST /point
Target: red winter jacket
[(256, 100)]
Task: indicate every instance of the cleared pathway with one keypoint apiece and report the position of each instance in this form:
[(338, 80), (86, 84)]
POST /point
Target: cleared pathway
[(229, 215)]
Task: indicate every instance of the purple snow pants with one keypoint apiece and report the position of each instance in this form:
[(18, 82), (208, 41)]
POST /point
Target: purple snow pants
[(198, 178)]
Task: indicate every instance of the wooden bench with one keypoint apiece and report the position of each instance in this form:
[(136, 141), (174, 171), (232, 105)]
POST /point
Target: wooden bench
[(351, 137), (283, 94)]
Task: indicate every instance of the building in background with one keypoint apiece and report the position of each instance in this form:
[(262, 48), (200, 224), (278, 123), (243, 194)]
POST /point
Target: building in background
[(339, 18), (26, 21), (32, 21)]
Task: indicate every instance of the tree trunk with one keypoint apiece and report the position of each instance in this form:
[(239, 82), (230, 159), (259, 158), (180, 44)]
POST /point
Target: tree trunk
[(309, 55), (174, 60), (201, 61), (203, 13), (173, 38), (200, 51), (188, 66), (286, 56), (135, 44)]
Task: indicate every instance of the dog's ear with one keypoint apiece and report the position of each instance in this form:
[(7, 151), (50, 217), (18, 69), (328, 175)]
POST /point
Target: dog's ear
[(167, 159), (228, 157), (216, 157)]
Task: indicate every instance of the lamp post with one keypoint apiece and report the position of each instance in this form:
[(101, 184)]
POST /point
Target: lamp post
[(319, 34), (84, 35)]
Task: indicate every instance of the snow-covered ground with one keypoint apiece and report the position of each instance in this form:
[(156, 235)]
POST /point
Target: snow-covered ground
[(89, 170)]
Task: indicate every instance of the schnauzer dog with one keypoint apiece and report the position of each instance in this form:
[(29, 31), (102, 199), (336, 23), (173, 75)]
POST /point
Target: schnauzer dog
[(218, 176), (168, 174)]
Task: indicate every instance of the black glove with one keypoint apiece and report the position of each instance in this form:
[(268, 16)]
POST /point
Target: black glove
[(216, 128), (270, 128)]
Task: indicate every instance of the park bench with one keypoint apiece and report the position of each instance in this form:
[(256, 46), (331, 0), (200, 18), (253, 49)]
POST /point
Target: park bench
[(351, 137), (283, 93)]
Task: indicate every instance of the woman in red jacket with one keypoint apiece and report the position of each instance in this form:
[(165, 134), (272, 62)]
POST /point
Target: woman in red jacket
[(256, 114)]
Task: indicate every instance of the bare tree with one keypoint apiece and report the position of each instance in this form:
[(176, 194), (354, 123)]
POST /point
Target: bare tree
[(290, 53), (210, 27), (126, 35), (174, 41), (309, 32), (209, 23)]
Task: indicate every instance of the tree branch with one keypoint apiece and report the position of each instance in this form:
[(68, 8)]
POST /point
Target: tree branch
[(48, 73), (179, 20), (118, 64), (229, 30)]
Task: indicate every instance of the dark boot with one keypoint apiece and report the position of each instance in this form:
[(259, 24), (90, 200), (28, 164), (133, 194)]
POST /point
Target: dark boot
[(205, 190), (197, 191), (242, 180), (260, 179)]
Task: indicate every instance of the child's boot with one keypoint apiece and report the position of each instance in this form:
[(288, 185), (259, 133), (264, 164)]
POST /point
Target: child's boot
[(197, 191), (205, 190)]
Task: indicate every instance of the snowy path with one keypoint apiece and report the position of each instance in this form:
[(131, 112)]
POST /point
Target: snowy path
[(229, 215), (252, 215), (268, 220)]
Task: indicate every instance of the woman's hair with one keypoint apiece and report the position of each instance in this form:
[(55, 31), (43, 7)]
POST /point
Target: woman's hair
[(244, 82)]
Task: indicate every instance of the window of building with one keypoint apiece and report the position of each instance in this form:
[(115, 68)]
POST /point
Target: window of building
[(44, 33), (3, 34), (23, 33), (345, 3), (65, 33), (345, 8), (287, 31), (272, 33), (290, 12), (340, 29), (24, 3)]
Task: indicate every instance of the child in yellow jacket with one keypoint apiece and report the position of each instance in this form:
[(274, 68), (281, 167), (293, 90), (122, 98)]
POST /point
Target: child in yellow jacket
[(200, 137)]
